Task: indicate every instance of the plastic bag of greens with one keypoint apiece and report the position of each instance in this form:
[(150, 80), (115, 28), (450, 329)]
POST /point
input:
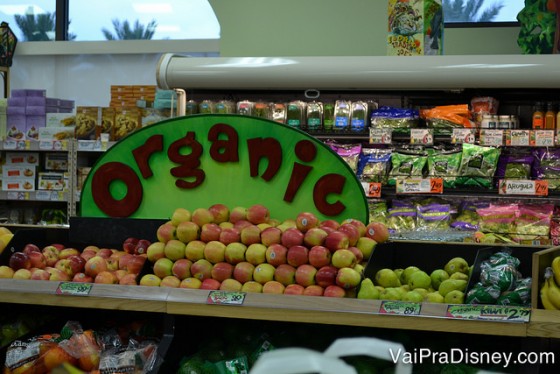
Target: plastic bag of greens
[(433, 217), (478, 165), (468, 218), (514, 166), (397, 119), (533, 222), (498, 218), (401, 219), (377, 211), (445, 164), (406, 164), (547, 166), (349, 153), (374, 164)]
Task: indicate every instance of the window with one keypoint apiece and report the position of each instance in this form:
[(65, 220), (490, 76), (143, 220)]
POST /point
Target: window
[(481, 11), (109, 19)]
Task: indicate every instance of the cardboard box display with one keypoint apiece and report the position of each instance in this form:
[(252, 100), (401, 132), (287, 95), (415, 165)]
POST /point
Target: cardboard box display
[(28, 92), (56, 133), (35, 110), (22, 158), (32, 125), (82, 175), (107, 122), (127, 120), (56, 161), (87, 119), (16, 110), (16, 127), (50, 181), (61, 119), (18, 184), (18, 172), (36, 101), (415, 28), (16, 101)]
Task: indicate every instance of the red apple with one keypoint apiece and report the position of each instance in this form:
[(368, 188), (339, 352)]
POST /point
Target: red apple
[(336, 240), (174, 249), (88, 253), (37, 259), (348, 278), (271, 235), (57, 275), (238, 213), (112, 263), (39, 274), (252, 286), (359, 255), (313, 290), (314, 236), (334, 291), (343, 258), (221, 271), (192, 283), (305, 275), (182, 268), (250, 234), (285, 274), (263, 273), (241, 224), (142, 246), (235, 252), (273, 287), (155, 251), (129, 245), (201, 269), (129, 279), (231, 284), (352, 232), (256, 254), (220, 212), (187, 231), (82, 278), (67, 252), (180, 215), (215, 251), (359, 225), (194, 250), (170, 281), (377, 231), (135, 264), (105, 277), (306, 221), (95, 265), (166, 232), (294, 289), (330, 223), (210, 284), (258, 213), (319, 256), (28, 248), (297, 255), (104, 253), (77, 263), (202, 216), (243, 272), (366, 246), (292, 236), (276, 254), (326, 275), (210, 232), (19, 260), (230, 235), (163, 267)]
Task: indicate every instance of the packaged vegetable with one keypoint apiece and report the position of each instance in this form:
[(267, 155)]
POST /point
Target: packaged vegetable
[(547, 166), (374, 164), (468, 218), (483, 105), (498, 218), (533, 222), (433, 217), (443, 119), (397, 119), (401, 219), (514, 165), (406, 164), (349, 152), (478, 165), (377, 211), (445, 164)]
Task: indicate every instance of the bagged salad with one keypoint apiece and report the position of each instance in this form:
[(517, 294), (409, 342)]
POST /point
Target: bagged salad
[(374, 164), (349, 152), (514, 165), (407, 163), (445, 163), (397, 119), (547, 166), (498, 218), (443, 119), (478, 165)]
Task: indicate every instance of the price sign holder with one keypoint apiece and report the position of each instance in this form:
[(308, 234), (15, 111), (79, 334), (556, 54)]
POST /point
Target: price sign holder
[(502, 313), (542, 138), (422, 136), (519, 138), (217, 297), (403, 308), (380, 136), (419, 185), (460, 136), (523, 187), (372, 189), (492, 138), (74, 288)]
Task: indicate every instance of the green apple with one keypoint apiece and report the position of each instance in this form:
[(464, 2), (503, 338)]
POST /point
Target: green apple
[(438, 276), (419, 279)]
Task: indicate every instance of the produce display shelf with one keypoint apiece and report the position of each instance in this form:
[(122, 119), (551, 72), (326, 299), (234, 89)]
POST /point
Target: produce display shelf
[(31, 226), (299, 309), (34, 195)]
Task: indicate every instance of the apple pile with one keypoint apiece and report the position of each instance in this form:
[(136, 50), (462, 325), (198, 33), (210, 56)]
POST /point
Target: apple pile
[(246, 250), (442, 285), (55, 262)]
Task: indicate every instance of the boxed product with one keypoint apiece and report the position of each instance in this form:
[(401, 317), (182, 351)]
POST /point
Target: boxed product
[(61, 119), (22, 158), (28, 92), (56, 133), (82, 175), (16, 127), (18, 172), (127, 120), (50, 181), (32, 126), (56, 161), (24, 184), (107, 122), (87, 118), (415, 28)]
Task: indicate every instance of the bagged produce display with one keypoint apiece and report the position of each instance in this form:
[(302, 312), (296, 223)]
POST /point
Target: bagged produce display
[(468, 218), (443, 119), (478, 165), (374, 165), (433, 217), (349, 152), (407, 163), (445, 164), (514, 165), (397, 119), (547, 166), (498, 218), (533, 222)]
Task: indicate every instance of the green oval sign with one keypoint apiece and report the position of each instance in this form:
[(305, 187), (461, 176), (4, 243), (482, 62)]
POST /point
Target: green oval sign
[(201, 160)]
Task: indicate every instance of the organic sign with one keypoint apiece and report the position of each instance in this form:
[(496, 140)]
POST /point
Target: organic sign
[(196, 161)]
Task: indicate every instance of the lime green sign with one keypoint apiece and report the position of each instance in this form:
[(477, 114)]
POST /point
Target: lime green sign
[(201, 160)]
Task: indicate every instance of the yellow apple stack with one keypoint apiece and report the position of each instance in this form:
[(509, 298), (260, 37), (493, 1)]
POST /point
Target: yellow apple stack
[(244, 249), (443, 285)]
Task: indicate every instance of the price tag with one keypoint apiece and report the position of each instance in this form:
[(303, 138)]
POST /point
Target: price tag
[(23, 145), (523, 187), (17, 195), (492, 137), (46, 145), (380, 136), (372, 189), (43, 195), (518, 138), (10, 144), (74, 288), (462, 136), (490, 312), (422, 136), (419, 185), (57, 196), (225, 298), (86, 145), (542, 138), (403, 308), (60, 145)]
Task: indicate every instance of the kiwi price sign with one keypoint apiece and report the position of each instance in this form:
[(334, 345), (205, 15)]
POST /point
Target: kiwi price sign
[(199, 160)]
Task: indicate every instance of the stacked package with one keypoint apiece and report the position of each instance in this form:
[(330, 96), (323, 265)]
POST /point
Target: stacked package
[(19, 171), (26, 111), (3, 119)]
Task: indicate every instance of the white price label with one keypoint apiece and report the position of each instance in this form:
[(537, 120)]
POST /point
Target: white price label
[(422, 136), (10, 144), (380, 136), (523, 187), (86, 145), (542, 138), (46, 145), (463, 136), (491, 137), (43, 195), (519, 138)]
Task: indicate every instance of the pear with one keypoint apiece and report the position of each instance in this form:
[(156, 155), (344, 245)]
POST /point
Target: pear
[(387, 278), (451, 285), (399, 273), (419, 279), (459, 276), (368, 290), (434, 297), (407, 273), (390, 293), (438, 276), (455, 297), (413, 296), (421, 291), (456, 264)]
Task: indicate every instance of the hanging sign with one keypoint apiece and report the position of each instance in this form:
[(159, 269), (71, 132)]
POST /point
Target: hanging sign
[(200, 160)]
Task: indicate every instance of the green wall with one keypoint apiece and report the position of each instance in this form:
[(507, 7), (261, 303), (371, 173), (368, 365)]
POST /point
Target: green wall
[(333, 28)]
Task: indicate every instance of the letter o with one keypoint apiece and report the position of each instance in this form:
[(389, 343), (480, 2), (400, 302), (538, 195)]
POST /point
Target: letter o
[(100, 189)]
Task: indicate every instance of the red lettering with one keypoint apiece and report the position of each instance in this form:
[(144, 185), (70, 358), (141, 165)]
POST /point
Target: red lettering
[(268, 148), (305, 151), (188, 164), (326, 185), (142, 154), (101, 192), (224, 150)]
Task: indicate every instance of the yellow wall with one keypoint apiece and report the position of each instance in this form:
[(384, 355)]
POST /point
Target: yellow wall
[(333, 28)]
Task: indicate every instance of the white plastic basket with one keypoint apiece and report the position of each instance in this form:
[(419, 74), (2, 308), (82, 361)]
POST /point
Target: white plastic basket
[(299, 361)]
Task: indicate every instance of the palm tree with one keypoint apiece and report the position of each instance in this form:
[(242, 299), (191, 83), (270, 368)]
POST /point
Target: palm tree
[(40, 27), (468, 11), (125, 32)]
